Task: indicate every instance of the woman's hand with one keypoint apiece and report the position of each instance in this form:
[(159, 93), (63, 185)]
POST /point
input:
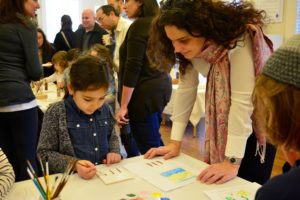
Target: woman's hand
[(219, 173), (112, 158), (121, 116), (85, 169), (169, 151)]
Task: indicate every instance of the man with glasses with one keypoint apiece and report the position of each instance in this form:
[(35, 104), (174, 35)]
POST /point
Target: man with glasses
[(110, 20)]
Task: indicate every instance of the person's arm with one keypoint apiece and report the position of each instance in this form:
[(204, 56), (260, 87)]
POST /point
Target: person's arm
[(114, 155), (7, 175), (50, 143), (28, 38), (242, 79), (51, 78), (136, 48)]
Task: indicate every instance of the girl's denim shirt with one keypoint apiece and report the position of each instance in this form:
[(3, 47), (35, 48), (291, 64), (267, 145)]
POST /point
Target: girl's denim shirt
[(89, 133)]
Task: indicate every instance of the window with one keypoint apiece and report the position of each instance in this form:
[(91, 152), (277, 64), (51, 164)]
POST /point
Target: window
[(54, 9)]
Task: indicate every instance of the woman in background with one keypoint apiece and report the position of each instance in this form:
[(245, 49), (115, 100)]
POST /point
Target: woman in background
[(46, 51), (19, 64), (65, 38), (277, 98), (143, 91)]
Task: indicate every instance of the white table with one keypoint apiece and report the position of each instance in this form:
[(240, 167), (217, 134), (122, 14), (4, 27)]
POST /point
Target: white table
[(51, 97), (80, 189), (198, 111)]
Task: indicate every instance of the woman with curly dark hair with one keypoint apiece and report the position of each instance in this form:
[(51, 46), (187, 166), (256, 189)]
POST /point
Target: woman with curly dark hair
[(223, 41), (46, 51)]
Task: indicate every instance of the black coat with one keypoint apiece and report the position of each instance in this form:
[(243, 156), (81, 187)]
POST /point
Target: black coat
[(152, 88), (59, 41), (96, 36)]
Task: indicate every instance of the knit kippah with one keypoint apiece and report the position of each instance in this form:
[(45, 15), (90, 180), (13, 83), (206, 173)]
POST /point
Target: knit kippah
[(284, 64)]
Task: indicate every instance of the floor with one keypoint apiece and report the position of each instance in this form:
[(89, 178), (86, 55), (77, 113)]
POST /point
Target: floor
[(193, 145)]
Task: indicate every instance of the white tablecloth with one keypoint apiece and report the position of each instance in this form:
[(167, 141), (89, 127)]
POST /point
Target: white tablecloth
[(79, 189), (51, 97), (198, 109)]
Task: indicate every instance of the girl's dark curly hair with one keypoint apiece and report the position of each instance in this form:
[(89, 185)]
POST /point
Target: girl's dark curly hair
[(219, 21)]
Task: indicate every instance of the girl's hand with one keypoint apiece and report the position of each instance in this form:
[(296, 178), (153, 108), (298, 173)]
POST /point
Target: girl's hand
[(112, 158), (85, 169)]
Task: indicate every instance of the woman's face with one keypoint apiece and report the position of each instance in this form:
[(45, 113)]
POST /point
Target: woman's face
[(30, 7), (40, 39), (90, 100), (131, 7), (183, 42)]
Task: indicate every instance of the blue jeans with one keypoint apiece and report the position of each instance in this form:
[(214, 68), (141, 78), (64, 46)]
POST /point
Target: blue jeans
[(146, 132)]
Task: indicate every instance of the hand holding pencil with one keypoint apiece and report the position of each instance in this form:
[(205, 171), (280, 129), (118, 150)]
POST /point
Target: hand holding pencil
[(85, 169)]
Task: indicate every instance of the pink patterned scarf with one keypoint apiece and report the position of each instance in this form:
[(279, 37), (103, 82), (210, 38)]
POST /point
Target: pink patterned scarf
[(217, 103)]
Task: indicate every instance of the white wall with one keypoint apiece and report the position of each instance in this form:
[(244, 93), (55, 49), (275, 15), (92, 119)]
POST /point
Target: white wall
[(51, 11)]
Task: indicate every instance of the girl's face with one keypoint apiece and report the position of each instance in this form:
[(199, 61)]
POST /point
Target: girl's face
[(131, 7), (183, 42), (58, 68), (30, 7), (40, 39), (90, 100)]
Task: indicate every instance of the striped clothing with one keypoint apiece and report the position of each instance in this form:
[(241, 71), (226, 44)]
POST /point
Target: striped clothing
[(7, 175)]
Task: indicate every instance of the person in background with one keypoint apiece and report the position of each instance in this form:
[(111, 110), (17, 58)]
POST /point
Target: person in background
[(90, 33), (103, 53), (277, 98), (46, 51), (119, 7), (81, 127), (65, 39), (110, 20), (59, 60), (7, 175), (19, 64), (216, 39), (142, 92)]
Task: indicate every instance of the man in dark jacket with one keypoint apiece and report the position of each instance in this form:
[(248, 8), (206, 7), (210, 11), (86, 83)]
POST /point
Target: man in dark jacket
[(90, 33)]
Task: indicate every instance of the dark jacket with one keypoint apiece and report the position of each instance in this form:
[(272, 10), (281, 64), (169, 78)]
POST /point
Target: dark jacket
[(96, 36), (19, 62), (59, 41), (281, 187), (47, 57), (57, 140), (152, 88)]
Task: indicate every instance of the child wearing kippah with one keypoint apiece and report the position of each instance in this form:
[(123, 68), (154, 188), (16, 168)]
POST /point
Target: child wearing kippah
[(277, 99)]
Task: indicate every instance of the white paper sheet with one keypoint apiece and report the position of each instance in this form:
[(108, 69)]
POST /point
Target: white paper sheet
[(164, 174), (241, 192), (111, 175)]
